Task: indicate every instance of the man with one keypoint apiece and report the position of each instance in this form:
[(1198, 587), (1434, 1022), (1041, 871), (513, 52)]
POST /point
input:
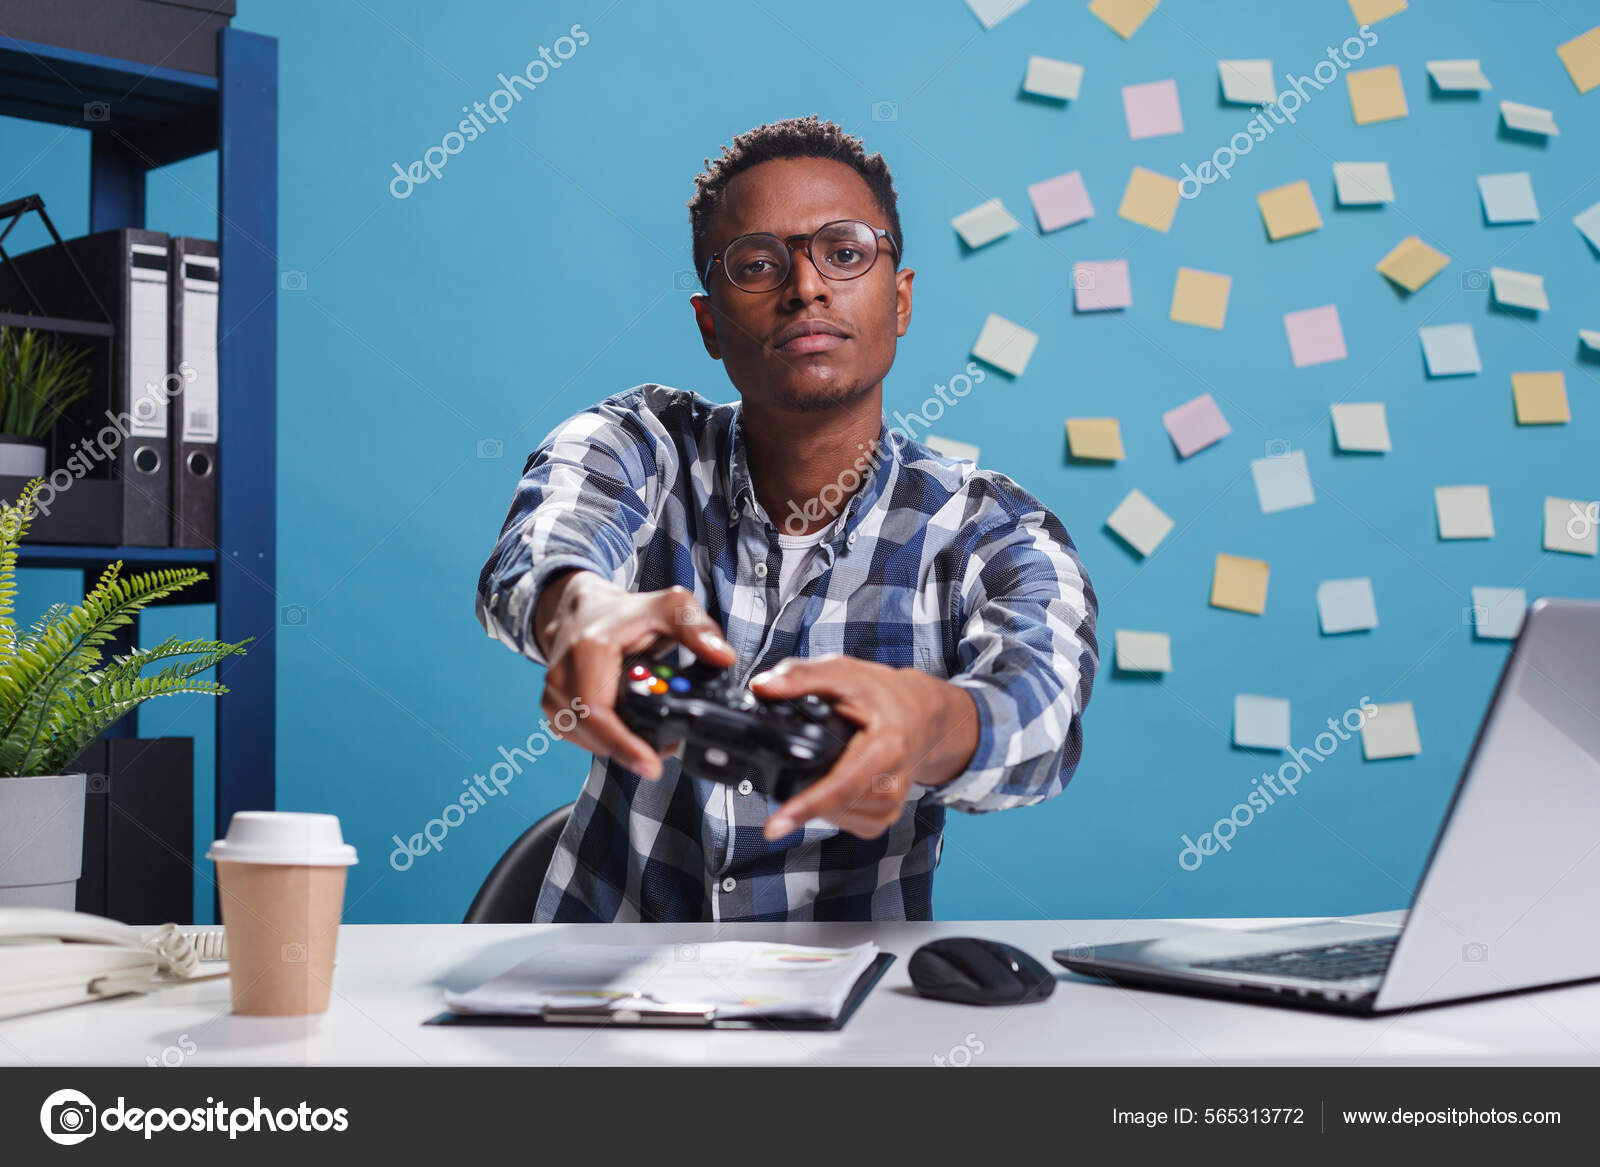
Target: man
[(939, 606)]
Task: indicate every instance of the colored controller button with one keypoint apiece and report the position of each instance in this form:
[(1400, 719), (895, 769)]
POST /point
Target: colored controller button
[(638, 673), (663, 670), (679, 684), (657, 685)]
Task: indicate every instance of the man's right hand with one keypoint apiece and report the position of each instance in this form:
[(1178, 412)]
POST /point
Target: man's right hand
[(586, 627)]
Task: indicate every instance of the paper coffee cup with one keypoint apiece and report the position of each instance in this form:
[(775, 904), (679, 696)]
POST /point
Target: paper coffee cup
[(281, 879)]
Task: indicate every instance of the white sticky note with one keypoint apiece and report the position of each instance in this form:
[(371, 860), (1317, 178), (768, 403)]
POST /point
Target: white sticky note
[(1508, 198), (1139, 522), (1391, 732), (1362, 183), (1458, 75), (1361, 426), (1572, 525), (1529, 119), (951, 448), (1519, 289), (1143, 652), (1589, 223), (985, 223), (1048, 77), (1450, 350), (1590, 339), (1497, 613), (992, 12), (1346, 605), (1247, 82), (1005, 345), (1464, 512), (1283, 481), (1260, 723)]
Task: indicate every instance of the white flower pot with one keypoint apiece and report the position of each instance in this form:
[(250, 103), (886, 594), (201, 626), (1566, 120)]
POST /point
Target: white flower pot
[(41, 841), (22, 457)]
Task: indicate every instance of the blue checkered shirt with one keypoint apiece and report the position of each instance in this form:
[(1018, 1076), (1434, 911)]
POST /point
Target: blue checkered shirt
[(933, 563)]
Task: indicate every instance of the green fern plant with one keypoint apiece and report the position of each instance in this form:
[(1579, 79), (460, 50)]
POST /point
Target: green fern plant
[(56, 695), (39, 378)]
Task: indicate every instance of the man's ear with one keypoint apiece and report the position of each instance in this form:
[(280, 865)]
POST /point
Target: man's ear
[(902, 299), (706, 322)]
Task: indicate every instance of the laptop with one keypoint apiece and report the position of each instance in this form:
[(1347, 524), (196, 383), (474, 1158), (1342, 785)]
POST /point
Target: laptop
[(1507, 899)]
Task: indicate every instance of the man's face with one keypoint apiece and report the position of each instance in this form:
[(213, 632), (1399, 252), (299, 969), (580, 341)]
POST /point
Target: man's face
[(795, 196)]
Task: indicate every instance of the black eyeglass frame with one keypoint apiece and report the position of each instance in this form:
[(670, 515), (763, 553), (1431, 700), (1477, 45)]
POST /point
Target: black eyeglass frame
[(789, 243)]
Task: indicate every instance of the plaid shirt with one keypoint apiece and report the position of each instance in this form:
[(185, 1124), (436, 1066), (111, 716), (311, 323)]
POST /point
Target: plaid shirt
[(932, 564)]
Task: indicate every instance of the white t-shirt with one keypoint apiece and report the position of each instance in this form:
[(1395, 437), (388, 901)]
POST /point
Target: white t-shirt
[(797, 551)]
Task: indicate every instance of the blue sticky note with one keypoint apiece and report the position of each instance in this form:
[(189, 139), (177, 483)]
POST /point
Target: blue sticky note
[(1508, 198), (1346, 605), (1497, 612), (1450, 350), (1282, 481), (1261, 723)]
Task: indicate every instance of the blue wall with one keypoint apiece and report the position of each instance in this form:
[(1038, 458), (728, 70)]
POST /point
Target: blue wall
[(539, 274)]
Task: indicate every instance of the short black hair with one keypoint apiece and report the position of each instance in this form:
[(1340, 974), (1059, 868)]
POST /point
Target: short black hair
[(804, 137)]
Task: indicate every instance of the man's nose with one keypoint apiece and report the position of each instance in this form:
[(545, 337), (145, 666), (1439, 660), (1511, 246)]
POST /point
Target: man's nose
[(805, 282)]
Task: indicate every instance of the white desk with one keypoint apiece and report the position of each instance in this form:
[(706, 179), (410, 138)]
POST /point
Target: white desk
[(390, 978)]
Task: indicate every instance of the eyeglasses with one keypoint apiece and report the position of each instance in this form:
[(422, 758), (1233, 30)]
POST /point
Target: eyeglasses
[(845, 249)]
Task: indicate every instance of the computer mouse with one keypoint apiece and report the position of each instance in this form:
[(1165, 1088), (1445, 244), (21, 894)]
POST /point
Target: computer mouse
[(979, 972)]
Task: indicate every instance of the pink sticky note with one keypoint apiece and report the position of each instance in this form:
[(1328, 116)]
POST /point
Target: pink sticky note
[(1315, 335), (1060, 201), (1196, 424), (1152, 109), (1100, 284)]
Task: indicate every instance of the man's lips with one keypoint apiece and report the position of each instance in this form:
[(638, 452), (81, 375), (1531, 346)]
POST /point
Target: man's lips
[(812, 342)]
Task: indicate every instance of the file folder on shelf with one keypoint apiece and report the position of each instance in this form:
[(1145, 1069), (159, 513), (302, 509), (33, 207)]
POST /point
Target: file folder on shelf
[(193, 417)]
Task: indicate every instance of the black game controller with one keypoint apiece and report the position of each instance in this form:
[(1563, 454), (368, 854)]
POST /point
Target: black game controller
[(729, 733)]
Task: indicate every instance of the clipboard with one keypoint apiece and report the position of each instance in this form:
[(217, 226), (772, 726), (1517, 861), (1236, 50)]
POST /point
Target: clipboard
[(642, 1011)]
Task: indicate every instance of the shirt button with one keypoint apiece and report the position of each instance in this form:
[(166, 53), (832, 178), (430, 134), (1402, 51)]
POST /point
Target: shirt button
[(852, 540), (729, 883), (761, 571), (745, 787)]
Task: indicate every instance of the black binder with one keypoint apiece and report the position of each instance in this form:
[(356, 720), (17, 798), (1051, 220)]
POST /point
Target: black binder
[(194, 285)]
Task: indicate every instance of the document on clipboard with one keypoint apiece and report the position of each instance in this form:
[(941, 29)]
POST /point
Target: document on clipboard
[(728, 981)]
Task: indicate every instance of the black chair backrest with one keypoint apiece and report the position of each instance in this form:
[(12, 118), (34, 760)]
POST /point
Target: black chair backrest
[(510, 893)]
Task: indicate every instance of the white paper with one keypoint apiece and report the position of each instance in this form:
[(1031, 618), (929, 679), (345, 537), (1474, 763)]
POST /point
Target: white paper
[(1361, 426), (1143, 652), (1005, 345), (1247, 82), (1530, 119), (1458, 75), (1519, 289), (1140, 522), (1362, 183), (984, 223), (1048, 77)]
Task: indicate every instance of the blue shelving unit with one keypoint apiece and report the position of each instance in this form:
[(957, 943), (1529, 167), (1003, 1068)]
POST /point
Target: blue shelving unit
[(142, 117)]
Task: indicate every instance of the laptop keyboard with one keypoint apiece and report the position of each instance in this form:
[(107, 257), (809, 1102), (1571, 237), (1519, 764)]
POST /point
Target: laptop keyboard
[(1329, 962)]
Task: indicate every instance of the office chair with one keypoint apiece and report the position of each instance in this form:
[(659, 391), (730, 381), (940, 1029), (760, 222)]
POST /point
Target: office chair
[(511, 891)]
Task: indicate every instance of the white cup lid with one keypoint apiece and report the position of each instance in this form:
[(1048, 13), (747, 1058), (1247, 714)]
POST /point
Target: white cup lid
[(290, 838)]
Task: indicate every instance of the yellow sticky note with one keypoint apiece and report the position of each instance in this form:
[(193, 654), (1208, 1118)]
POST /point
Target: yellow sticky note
[(1412, 263), (1200, 297), (1372, 11), (1541, 398), (1123, 17), (1151, 199), (1099, 438), (1581, 56), (1376, 95), (1289, 210), (1240, 584)]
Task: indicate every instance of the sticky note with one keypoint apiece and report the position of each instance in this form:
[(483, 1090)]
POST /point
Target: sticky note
[(1152, 109), (1508, 198), (1289, 210), (1376, 94), (1590, 339), (1101, 284), (1314, 335), (951, 448), (1139, 523), (1060, 201), (1047, 77), (1196, 424), (1519, 289), (1571, 525), (1529, 119), (992, 12), (1123, 17), (1096, 438), (1361, 427), (1150, 200), (1390, 732), (1144, 652), (1541, 398), (1589, 223), (1581, 56), (1464, 512), (1450, 350), (1240, 584), (985, 223), (1412, 263), (1005, 345), (1283, 481), (1372, 11), (1456, 76), (1247, 82), (1200, 297), (1346, 605), (1497, 613), (1260, 723), (1362, 183)]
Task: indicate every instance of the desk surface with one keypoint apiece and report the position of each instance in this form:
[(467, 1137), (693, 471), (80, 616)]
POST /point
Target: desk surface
[(390, 978)]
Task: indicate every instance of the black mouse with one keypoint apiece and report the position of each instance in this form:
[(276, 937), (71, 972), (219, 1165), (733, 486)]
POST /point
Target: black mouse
[(979, 972)]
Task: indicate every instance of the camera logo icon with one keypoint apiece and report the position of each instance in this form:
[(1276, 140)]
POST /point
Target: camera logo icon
[(294, 615), (686, 952), (1278, 447), (68, 1117), (1474, 952), (96, 111), (683, 280), (1475, 280), (293, 952), (490, 449), (293, 281), (886, 111)]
